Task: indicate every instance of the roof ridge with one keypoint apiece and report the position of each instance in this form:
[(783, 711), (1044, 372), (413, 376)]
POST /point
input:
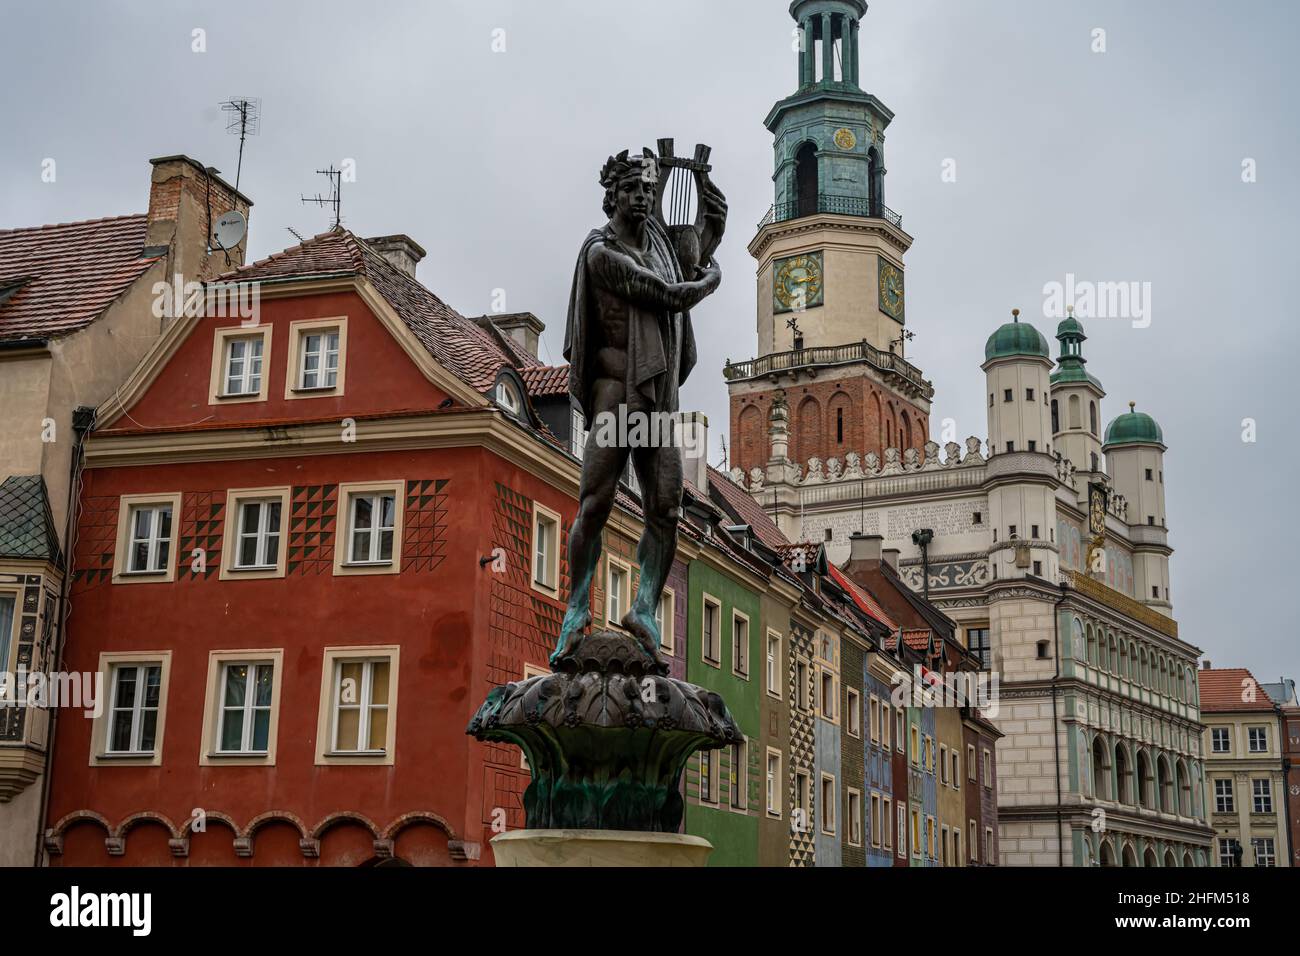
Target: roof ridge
[(278, 256), (75, 222)]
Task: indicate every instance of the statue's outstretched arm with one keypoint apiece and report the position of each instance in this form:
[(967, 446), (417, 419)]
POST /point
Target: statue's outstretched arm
[(619, 274)]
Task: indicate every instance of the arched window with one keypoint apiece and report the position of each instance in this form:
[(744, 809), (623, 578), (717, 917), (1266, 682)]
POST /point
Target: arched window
[(1076, 416), (1123, 773), (1144, 781), (875, 180), (1092, 417), (1184, 782), (1164, 785), (1106, 856), (1114, 654), (1056, 417), (1123, 659), (904, 431), (805, 176), (1092, 647), (807, 429), (1101, 785)]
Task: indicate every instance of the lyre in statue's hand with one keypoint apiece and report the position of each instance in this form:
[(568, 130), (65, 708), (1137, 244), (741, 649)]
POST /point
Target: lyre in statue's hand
[(711, 222)]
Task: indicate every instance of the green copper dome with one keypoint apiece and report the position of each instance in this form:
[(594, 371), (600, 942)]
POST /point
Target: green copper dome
[(1015, 338), (1070, 326), (1134, 428)]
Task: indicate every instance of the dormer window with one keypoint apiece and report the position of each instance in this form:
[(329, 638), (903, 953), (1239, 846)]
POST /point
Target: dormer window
[(507, 396)]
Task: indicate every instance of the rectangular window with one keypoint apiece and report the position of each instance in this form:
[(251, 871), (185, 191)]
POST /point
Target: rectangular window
[(977, 639), (854, 713), (707, 787), (955, 757), (874, 822), (245, 722), (973, 841), (739, 645), (884, 725), (1149, 476), (828, 804), (1033, 445), (1264, 855), (853, 810), (916, 746), (1226, 857), (546, 551), (873, 718), (988, 768), (318, 366), (774, 782), (828, 695), (258, 537), (618, 585), (1007, 395), (151, 537), (736, 776), (887, 823), (971, 771), (371, 522), (801, 685), (988, 846), (943, 763), (1219, 742), (1029, 394), (578, 433), (900, 734), (665, 619), (902, 831), (1223, 796), (360, 706), (1258, 739), (943, 845), (711, 645), (136, 695), (774, 664), (1263, 793), (956, 847), (916, 833), (243, 366), (802, 798)]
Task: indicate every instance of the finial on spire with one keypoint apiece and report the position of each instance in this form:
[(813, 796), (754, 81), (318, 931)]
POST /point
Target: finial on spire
[(1015, 315), (1132, 406), (1070, 309)]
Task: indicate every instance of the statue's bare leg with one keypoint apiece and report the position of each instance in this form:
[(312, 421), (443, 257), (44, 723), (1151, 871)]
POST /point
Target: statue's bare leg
[(602, 466), (659, 470)]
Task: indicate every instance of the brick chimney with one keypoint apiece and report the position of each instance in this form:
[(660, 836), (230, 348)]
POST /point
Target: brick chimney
[(865, 549), (1205, 664), (185, 200), (402, 252)]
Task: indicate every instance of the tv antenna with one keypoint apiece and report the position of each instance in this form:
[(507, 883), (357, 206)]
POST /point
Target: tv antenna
[(722, 440), (245, 120), (296, 234), (336, 189)]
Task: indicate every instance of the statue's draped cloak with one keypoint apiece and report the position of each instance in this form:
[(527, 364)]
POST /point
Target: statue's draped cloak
[(655, 337)]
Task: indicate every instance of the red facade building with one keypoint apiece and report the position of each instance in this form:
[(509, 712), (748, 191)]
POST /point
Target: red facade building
[(291, 533)]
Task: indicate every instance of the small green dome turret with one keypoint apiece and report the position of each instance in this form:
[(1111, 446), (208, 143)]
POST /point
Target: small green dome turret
[(1070, 327), (1071, 361), (1015, 338), (1134, 428)]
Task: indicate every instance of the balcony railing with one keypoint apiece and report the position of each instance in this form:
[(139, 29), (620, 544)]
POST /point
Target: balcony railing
[(834, 205), (830, 355)]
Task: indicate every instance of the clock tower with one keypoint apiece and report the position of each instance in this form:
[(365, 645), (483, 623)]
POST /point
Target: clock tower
[(832, 305)]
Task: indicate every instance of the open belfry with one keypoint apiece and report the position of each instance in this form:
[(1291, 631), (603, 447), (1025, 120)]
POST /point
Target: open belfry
[(1047, 542)]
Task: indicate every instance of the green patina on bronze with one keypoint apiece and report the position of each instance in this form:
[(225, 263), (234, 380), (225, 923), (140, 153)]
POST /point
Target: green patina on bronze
[(606, 738)]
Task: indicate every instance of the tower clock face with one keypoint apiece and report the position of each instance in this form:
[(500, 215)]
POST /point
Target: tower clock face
[(891, 290), (845, 139), (797, 283)]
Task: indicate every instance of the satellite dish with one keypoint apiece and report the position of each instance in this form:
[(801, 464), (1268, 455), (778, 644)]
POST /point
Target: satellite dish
[(229, 230)]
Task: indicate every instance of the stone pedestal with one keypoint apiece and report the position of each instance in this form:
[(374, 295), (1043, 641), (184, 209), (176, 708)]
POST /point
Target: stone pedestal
[(566, 848)]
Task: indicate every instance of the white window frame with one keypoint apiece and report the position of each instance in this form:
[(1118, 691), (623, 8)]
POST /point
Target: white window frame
[(988, 768), (1225, 798), (613, 568), (327, 719), (1258, 794), (973, 840), (887, 822), (138, 707), (234, 531), (295, 379), (666, 618), (775, 673), (802, 677), (853, 815), (221, 357), (102, 727), (1218, 734), (210, 753), (853, 711), (972, 768), (1251, 736), (709, 773), (873, 719), (546, 528), (738, 750), (127, 507), (774, 783), (876, 831)]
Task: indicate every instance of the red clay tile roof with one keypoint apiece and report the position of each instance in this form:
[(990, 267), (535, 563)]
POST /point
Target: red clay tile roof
[(545, 380), (73, 272), (454, 341), (750, 511), (1222, 690), (862, 598)]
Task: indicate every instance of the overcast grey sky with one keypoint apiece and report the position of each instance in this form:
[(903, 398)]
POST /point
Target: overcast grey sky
[(1115, 166)]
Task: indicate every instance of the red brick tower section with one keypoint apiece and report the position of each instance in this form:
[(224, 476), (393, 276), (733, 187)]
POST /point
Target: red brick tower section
[(830, 416)]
